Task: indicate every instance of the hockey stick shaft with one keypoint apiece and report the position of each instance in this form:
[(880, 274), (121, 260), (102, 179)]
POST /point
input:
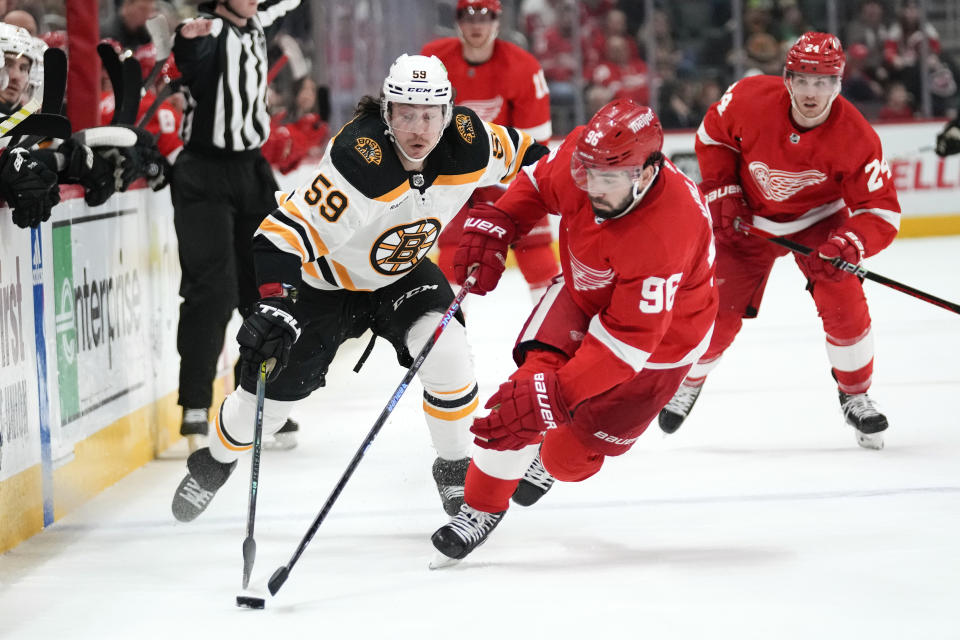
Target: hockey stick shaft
[(282, 573), (168, 90), (857, 270), (114, 68), (132, 84), (249, 544)]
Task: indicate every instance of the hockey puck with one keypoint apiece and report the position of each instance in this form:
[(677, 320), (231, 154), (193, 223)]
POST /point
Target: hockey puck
[(250, 602)]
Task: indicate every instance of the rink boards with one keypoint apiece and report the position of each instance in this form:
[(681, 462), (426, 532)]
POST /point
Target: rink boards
[(88, 319)]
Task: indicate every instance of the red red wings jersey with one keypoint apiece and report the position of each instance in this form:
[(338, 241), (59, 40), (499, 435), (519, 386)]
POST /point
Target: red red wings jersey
[(794, 177), (645, 279), (507, 89), (164, 125)]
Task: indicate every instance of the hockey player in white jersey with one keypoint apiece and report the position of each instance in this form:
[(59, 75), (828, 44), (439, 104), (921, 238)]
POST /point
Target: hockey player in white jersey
[(347, 252)]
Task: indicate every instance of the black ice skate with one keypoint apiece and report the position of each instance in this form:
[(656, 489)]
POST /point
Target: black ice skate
[(205, 475), (535, 483), (465, 532), (450, 475), (284, 439), (677, 410), (195, 427), (860, 413)]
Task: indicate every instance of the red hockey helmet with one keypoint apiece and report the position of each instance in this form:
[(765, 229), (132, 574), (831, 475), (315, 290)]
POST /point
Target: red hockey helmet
[(622, 135), (478, 6), (816, 53)]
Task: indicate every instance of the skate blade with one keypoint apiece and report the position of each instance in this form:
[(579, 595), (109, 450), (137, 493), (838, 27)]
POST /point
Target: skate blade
[(870, 440), (441, 561), (281, 442)]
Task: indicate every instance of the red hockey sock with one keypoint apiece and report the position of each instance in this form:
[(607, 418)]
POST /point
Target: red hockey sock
[(566, 458), (486, 493)]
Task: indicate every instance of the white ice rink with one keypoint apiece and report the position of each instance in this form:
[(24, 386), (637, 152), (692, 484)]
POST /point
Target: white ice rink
[(760, 518)]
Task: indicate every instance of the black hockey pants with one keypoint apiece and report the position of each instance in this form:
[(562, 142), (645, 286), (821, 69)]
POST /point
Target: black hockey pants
[(218, 203)]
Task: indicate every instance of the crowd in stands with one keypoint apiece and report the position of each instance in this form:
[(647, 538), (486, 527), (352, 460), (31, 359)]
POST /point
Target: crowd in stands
[(594, 50)]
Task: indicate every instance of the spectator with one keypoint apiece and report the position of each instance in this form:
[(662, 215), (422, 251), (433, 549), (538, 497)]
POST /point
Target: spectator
[(904, 47), (897, 105), (869, 30), (625, 76), (858, 85), (21, 18), (129, 25), (762, 55)]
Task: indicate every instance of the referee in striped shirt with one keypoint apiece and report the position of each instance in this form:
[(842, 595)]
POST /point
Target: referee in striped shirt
[(221, 185)]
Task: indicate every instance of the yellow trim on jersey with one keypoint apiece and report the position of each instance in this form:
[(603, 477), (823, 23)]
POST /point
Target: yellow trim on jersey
[(501, 134), (318, 243), (447, 415), (525, 142), (463, 178), (312, 270), (344, 276), (395, 193), (271, 226)]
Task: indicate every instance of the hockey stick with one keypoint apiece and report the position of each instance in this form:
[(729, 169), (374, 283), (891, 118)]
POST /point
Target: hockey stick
[(843, 265), (282, 573), (54, 80), (114, 68), (159, 30), (42, 125), (168, 90), (9, 123), (249, 544), (132, 83)]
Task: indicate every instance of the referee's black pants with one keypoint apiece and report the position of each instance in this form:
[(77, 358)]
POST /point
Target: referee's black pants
[(218, 203)]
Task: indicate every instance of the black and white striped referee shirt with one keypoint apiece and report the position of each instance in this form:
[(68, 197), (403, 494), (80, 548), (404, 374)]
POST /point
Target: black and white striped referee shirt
[(225, 81)]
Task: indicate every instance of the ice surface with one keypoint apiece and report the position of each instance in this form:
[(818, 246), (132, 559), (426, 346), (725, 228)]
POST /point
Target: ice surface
[(760, 518)]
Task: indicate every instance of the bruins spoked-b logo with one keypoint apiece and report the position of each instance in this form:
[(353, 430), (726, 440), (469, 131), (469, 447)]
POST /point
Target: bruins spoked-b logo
[(369, 149), (465, 127), (402, 248)]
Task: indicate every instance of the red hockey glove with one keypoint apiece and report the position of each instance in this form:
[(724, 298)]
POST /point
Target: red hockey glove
[(487, 234), (726, 205), (843, 244), (523, 410)]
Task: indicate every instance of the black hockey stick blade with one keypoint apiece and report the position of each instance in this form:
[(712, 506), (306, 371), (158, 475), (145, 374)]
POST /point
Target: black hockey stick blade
[(159, 30), (54, 80), (45, 125), (249, 556), (114, 68), (127, 112), (277, 579)]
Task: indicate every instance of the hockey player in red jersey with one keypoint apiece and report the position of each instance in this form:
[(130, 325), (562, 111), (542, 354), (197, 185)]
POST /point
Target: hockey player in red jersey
[(793, 158), (504, 85), (612, 337)]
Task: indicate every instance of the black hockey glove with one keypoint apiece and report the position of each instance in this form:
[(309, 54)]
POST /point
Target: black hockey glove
[(948, 141), (29, 187), (268, 332), (84, 166)]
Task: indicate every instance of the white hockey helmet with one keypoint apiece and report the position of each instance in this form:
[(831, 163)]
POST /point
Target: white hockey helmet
[(18, 42), (417, 80)]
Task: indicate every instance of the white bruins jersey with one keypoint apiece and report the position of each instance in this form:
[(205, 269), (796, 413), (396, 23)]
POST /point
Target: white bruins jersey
[(364, 221)]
